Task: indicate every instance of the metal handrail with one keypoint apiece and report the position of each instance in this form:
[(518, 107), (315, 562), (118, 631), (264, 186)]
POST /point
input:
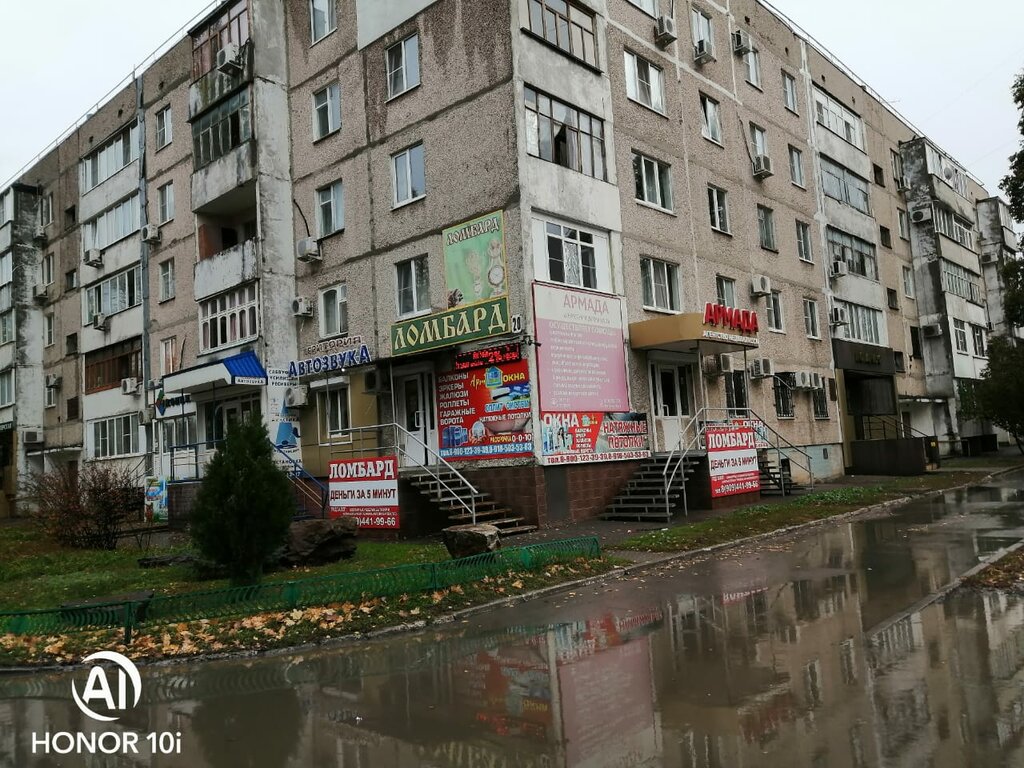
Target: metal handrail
[(778, 450), (888, 419), (298, 473), (683, 451)]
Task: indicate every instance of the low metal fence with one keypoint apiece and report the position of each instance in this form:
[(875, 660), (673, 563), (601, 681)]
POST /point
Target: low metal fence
[(300, 593)]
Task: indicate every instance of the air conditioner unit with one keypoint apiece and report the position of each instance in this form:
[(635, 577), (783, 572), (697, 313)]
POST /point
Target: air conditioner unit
[(761, 285), (666, 33), (52, 381), (151, 234), (802, 380), (762, 166), (31, 436), (921, 215), (725, 364), (837, 316), (817, 381), (40, 234), (40, 292), (703, 52), (839, 269), (931, 331), (302, 306), (228, 59), (989, 258), (762, 368), (93, 258), (307, 249), (741, 42), (146, 415), (130, 386), (100, 321), (153, 385), (375, 384), (295, 397)]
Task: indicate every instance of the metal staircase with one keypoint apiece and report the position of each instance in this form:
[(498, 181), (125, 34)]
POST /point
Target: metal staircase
[(647, 495), (310, 493), (776, 477), (464, 503)]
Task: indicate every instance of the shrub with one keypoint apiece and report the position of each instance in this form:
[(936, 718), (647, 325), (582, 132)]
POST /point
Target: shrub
[(244, 505), (87, 508)]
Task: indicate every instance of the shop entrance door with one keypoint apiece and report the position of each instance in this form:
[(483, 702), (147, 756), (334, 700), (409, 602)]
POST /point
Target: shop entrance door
[(414, 399), (672, 394)]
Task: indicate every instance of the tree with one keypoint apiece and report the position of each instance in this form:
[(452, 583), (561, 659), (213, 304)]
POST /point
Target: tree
[(1013, 182), (245, 504), (999, 396)]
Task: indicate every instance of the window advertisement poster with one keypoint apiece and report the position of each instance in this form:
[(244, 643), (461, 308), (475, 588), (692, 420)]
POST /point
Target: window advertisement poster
[(365, 489), (732, 457), (474, 260), (284, 421), (570, 437), (156, 499), (581, 355), (485, 412)]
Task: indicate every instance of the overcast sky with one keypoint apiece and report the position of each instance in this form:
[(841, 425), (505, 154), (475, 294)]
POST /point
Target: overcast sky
[(946, 65)]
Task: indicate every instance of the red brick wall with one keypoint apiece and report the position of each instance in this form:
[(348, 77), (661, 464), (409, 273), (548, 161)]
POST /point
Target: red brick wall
[(519, 488), (592, 487)]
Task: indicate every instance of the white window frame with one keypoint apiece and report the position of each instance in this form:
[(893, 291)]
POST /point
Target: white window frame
[(960, 337), (718, 209), (165, 202), (335, 296), (636, 67), (774, 311), (117, 153), (330, 19), (166, 279), (7, 333), (796, 167), (405, 159), (409, 49), (711, 119), (904, 223), (169, 362), (120, 436), (979, 341), (790, 97), (164, 127), (327, 411), (48, 326), (327, 104), (418, 286), (660, 284), (226, 315), (6, 388), (863, 323), (46, 209), (846, 187), (766, 228), (50, 399), (702, 27), (835, 117), (116, 293), (46, 269), (909, 290), (330, 209), (113, 225), (583, 253), (653, 191), (752, 60), (725, 291), (804, 246), (811, 325)]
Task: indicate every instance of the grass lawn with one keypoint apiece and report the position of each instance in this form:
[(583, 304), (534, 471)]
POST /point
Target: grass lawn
[(979, 462), (763, 518), (36, 573)]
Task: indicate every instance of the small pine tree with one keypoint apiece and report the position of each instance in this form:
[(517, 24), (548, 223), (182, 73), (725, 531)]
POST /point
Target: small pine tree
[(245, 504)]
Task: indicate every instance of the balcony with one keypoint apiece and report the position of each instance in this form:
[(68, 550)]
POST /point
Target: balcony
[(228, 183), (214, 85), (226, 269)]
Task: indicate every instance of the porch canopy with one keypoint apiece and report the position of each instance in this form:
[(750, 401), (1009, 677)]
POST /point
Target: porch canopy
[(684, 332), (242, 369)]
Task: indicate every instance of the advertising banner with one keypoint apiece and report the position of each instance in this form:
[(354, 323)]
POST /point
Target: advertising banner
[(485, 412), (156, 499), (570, 437), (732, 457), (474, 260), (454, 326), (760, 431), (284, 421), (581, 354), (366, 489)]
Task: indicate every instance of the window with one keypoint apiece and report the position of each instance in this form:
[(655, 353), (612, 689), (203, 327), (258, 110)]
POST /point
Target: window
[(230, 26), (653, 181), (752, 60), (46, 209), (892, 297), (644, 82), (572, 256), (819, 400), (651, 6), (118, 436), (334, 311), (725, 291), (6, 207), (178, 432), (73, 410), (6, 387), (978, 336), (165, 202), (71, 344), (885, 236), (774, 307), (114, 224), (71, 280), (221, 129), (46, 270), (736, 393), (229, 318), (7, 327), (766, 227), (863, 323), (69, 216), (334, 409), (858, 254), (796, 166), (844, 185), (915, 342), (758, 140), (322, 18), (105, 367), (789, 91), (565, 26), (702, 29), (908, 282), (48, 330), (899, 361), (403, 61), (718, 209), (783, 384), (330, 209), (167, 280), (960, 335), (811, 319), (413, 286), (954, 227), (50, 397), (661, 284), (711, 122), (904, 223), (960, 282), (560, 133), (164, 130), (113, 295), (897, 167), (111, 157), (879, 175), (408, 175), (803, 242), (838, 119), (326, 110), (169, 362)]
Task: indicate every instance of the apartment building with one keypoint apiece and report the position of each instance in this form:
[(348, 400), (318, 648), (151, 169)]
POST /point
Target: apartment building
[(532, 242)]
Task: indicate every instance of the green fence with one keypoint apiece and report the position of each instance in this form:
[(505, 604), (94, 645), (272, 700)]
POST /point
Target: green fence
[(302, 593)]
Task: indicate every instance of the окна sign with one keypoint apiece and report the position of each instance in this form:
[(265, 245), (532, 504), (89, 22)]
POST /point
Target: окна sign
[(365, 489), (732, 458), (443, 329)]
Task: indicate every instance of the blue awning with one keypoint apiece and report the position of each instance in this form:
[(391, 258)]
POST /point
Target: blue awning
[(243, 369)]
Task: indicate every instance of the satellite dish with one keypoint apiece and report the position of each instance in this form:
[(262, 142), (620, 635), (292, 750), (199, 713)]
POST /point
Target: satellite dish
[(948, 172)]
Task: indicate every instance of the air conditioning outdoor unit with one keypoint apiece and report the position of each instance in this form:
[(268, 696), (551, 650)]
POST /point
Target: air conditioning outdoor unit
[(153, 385), (146, 415), (817, 381), (726, 364), (989, 258), (40, 292), (52, 381), (151, 234), (761, 285), (100, 322), (762, 368), (837, 316), (921, 215), (228, 59), (703, 52), (931, 331), (840, 269), (302, 306), (802, 380), (762, 166), (307, 249), (666, 33), (32, 436), (130, 386), (93, 258), (741, 42), (295, 397)]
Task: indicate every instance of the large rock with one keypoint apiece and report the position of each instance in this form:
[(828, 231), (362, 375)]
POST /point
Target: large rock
[(318, 542), (466, 540)]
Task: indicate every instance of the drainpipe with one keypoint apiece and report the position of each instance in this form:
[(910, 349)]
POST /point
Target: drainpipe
[(140, 116)]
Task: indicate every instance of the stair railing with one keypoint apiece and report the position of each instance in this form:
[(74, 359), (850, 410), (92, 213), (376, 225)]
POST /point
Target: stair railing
[(690, 437), (300, 480), (781, 441), (887, 421)]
